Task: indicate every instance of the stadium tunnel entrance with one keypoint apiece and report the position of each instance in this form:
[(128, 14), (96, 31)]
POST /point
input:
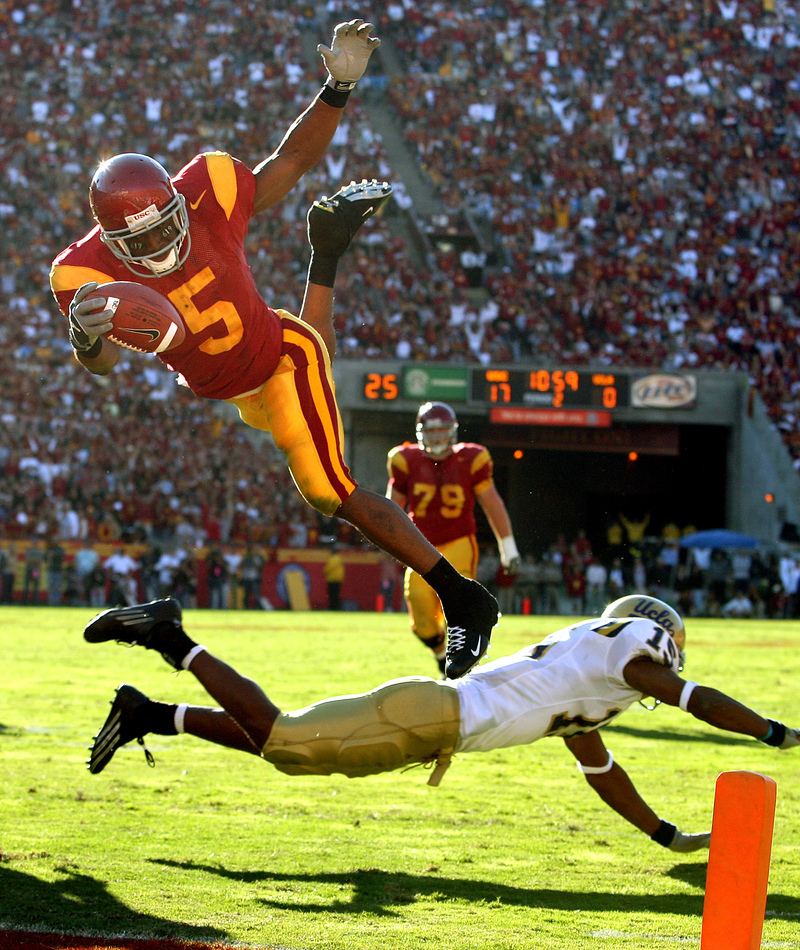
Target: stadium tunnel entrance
[(561, 481)]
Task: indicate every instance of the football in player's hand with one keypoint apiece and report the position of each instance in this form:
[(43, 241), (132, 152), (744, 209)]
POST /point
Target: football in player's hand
[(144, 320)]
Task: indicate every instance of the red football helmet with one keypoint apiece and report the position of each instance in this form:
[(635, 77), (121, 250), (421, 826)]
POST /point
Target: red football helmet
[(142, 218), (437, 429)]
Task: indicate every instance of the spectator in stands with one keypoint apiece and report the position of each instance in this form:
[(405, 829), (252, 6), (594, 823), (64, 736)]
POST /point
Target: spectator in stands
[(251, 572), (596, 580), (121, 569), (34, 559), (96, 586), (55, 557), (552, 584), (7, 557), (505, 583), (166, 569), (86, 560), (739, 605), (333, 570), (217, 569), (634, 532), (616, 579), (149, 575), (718, 580)]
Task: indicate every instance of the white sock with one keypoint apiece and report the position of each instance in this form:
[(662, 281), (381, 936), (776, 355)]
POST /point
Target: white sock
[(180, 714), (191, 655)]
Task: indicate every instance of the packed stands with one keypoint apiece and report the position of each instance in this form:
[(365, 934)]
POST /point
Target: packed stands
[(630, 168)]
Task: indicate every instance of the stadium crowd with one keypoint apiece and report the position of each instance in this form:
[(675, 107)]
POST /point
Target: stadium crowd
[(631, 167), (636, 164)]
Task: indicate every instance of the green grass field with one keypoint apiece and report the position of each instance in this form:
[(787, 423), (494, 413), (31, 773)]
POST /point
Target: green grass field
[(513, 850)]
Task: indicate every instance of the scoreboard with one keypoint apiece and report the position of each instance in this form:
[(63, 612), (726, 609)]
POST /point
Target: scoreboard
[(549, 388), (494, 387)]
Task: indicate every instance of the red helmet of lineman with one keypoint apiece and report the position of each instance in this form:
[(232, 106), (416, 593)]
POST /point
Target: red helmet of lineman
[(142, 218), (437, 429)]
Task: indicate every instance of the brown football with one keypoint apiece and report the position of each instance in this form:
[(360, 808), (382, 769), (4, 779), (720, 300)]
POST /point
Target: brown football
[(144, 320)]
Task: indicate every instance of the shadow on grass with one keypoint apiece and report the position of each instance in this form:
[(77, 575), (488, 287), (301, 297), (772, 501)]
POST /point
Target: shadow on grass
[(79, 903), (672, 735), (377, 892)]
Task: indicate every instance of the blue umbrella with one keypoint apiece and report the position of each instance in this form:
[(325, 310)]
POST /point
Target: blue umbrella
[(719, 538)]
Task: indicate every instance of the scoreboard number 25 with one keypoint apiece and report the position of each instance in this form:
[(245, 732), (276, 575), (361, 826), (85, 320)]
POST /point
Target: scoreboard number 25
[(381, 386)]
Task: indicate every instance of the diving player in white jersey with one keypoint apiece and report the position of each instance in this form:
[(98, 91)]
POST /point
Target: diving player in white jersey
[(570, 685)]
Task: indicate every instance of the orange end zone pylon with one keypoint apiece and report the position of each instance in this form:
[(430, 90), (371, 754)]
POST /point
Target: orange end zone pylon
[(738, 862)]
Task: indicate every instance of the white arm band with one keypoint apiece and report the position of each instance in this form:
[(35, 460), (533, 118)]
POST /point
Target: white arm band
[(686, 692), (508, 550), (597, 769)]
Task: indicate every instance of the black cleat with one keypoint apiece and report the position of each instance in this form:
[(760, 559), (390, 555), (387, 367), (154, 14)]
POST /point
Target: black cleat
[(132, 624), (333, 222), (147, 625), (119, 729), (468, 637)]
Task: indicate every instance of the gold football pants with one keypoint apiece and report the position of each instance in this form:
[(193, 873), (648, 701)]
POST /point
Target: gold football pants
[(408, 720)]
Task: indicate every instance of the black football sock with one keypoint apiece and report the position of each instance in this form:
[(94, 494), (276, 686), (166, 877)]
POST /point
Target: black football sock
[(172, 642), (322, 269), (156, 717), (447, 582)]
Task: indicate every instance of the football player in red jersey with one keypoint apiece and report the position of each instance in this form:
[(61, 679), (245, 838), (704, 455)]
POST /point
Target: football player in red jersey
[(185, 237), (438, 481)]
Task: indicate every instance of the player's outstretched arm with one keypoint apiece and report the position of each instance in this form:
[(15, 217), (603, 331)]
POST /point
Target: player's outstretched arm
[(309, 136), (613, 785), (706, 704)]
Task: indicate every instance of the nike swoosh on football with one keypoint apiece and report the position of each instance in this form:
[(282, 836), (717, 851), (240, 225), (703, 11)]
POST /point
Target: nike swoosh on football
[(151, 334), (194, 204)]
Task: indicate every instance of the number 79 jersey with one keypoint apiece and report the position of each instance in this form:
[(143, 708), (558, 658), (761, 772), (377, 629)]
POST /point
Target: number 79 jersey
[(440, 493), (233, 340), (570, 683)]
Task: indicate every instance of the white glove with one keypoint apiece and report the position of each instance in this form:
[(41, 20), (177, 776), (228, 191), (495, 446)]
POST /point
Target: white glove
[(509, 555), (685, 843), (350, 51), (791, 739), (88, 319)]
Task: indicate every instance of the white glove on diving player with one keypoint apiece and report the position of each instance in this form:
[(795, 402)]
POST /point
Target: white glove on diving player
[(791, 739), (86, 326), (349, 53), (685, 843)]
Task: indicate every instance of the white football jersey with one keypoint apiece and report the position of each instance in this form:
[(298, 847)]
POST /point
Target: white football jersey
[(569, 683)]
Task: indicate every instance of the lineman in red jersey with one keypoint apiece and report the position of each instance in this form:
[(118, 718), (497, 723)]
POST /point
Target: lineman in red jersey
[(185, 236), (438, 482)]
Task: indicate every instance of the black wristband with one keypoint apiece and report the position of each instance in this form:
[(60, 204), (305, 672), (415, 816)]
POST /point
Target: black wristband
[(776, 734), (664, 834), (94, 349), (322, 270), (334, 97)]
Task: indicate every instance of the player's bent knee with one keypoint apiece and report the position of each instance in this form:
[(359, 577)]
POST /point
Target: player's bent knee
[(402, 722)]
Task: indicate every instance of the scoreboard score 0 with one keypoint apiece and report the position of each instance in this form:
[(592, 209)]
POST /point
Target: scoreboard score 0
[(549, 388)]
